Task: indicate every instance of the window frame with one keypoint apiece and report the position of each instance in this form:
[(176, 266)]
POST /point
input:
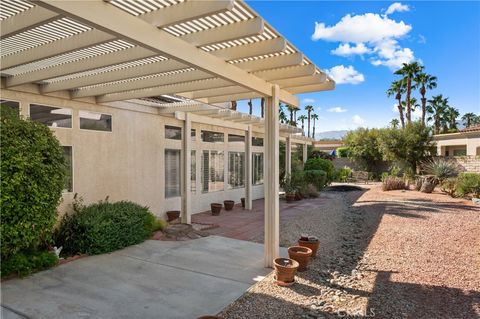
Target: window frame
[(241, 170), (57, 107), (90, 130), (166, 168), (19, 105), (212, 142), (254, 183), (165, 127), (72, 172), (218, 152)]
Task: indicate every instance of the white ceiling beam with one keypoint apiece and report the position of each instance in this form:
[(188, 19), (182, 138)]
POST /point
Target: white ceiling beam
[(226, 33), (65, 45), (79, 66), (117, 75), (130, 28), (325, 86), (251, 50), (183, 108), (194, 117), (286, 73), (148, 82), (286, 98), (161, 90), (301, 81), (25, 20), (185, 11), (217, 91), (274, 62)]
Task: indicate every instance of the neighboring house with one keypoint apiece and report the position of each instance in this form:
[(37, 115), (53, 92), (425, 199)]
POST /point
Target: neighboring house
[(327, 145), (463, 143)]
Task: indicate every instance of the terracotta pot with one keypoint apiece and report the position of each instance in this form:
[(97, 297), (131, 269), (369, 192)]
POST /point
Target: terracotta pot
[(243, 201), (313, 244), (290, 197), (172, 215), (216, 208), (298, 196), (285, 270), (301, 255), (228, 204)]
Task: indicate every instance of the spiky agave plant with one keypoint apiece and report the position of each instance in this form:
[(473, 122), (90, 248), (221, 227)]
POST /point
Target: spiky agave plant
[(441, 168)]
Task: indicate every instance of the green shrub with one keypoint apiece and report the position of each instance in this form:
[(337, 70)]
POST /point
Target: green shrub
[(32, 166), (104, 227), (393, 183), (342, 174), (314, 164), (343, 151), (312, 191), (318, 178), (160, 224), (441, 168), (468, 184), (449, 186), (23, 264)]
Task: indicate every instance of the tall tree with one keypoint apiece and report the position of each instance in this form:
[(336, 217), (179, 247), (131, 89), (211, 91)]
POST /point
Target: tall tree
[(250, 107), (409, 71), (397, 88), (394, 123), (262, 107), (451, 116), (282, 116), (424, 81), (437, 107), (314, 117), (295, 116), (469, 119), (309, 109), (291, 109), (234, 105), (413, 104), (302, 119)]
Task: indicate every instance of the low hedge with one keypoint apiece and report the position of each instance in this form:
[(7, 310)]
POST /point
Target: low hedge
[(25, 263), (316, 177), (323, 165), (468, 184), (104, 227)]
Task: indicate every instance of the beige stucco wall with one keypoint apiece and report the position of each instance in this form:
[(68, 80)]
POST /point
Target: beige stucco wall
[(127, 163), (469, 141)]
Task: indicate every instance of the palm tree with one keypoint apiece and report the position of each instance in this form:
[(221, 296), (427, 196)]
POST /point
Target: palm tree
[(291, 109), (295, 116), (451, 115), (314, 117), (413, 104), (424, 81), (302, 118), (309, 109), (437, 107), (250, 107), (397, 88), (409, 71), (262, 107), (234, 105), (394, 123), (470, 119), (282, 116)]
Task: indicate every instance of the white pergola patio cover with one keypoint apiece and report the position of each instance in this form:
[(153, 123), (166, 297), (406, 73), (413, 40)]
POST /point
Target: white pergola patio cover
[(209, 51)]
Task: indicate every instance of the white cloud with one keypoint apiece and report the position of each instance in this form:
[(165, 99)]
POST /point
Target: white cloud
[(345, 75), (346, 50), (422, 39), (337, 109), (397, 7), (358, 120), (369, 34), (308, 100)]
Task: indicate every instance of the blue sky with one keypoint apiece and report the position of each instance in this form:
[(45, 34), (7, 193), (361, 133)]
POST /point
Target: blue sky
[(361, 43)]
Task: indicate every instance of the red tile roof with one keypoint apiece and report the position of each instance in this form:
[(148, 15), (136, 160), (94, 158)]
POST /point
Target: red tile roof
[(473, 128)]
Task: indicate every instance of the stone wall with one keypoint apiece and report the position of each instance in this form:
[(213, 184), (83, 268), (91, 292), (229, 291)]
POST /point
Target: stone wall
[(468, 163)]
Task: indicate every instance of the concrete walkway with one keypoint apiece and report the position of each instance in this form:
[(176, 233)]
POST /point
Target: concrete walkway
[(156, 279)]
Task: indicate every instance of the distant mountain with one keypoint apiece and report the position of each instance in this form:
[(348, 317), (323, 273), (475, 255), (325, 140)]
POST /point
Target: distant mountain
[(331, 135)]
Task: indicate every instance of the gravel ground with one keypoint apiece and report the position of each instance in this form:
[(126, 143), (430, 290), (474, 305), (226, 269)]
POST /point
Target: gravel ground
[(398, 254)]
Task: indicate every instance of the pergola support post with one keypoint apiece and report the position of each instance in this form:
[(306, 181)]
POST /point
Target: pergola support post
[(288, 156), (248, 168), (305, 153), (186, 212), (271, 174)]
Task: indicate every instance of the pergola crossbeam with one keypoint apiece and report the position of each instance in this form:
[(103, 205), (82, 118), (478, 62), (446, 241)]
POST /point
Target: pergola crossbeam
[(251, 50), (26, 20), (275, 62), (286, 73), (302, 81), (325, 86)]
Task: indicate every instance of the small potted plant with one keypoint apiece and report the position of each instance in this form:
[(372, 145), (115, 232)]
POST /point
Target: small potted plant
[(289, 189), (229, 204), (243, 201), (285, 270), (172, 215), (216, 208), (301, 255), (311, 242)]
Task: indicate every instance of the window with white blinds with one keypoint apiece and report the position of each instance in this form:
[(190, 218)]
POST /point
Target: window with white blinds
[(212, 171), (236, 169), (257, 168), (172, 173), (193, 172)]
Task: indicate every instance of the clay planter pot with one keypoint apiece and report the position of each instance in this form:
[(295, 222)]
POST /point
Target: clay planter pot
[(290, 197), (285, 270), (301, 255), (172, 215), (243, 201), (216, 208), (311, 243), (228, 204)]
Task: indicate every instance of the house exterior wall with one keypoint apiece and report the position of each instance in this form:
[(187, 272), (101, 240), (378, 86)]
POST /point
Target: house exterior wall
[(128, 163), (468, 163), (455, 141)]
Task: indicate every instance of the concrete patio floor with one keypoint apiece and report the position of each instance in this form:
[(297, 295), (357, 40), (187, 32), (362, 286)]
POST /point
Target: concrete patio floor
[(155, 279)]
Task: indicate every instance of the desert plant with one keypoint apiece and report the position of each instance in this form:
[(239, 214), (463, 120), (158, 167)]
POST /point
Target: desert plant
[(160, 224), (287, 185), (449, 186), (441, 168), (342, 174), (32, 166), (468, 184), (104, 227), (343, 151), (393, 183)]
